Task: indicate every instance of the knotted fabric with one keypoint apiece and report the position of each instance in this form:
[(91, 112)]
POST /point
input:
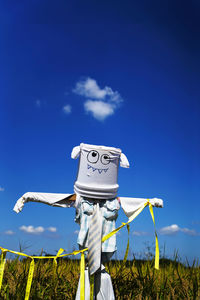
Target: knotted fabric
[(94, 240)]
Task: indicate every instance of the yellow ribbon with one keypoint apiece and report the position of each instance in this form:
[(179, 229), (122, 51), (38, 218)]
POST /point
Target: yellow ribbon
[(2, 265), (156, 237), (15, 252), (82, 277), (127, 247), (92, 286), (55, 259), (82, 266), (30, 278)]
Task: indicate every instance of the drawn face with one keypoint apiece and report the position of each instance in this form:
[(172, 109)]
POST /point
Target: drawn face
[(95, 157)]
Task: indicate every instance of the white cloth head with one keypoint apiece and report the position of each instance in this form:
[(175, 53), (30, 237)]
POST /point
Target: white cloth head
[(98, 170)]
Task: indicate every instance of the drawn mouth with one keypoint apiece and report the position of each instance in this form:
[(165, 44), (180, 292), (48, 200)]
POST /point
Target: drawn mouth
[(96, 169)]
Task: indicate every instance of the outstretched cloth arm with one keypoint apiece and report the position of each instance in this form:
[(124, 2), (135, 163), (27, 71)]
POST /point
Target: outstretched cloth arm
[(130, 205), (59, 200)]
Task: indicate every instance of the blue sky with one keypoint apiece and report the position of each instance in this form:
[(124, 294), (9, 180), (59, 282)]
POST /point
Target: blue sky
[(122, 75)]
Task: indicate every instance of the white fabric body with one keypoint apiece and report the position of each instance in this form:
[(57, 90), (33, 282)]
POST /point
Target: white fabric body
[(98, 170), (109, 212), (103, 289)]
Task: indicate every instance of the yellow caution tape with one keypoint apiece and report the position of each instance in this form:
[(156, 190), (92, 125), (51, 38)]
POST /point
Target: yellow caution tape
[(82, 277), (30, 278), (156, 237), (55, 259), (82, 267), (15, 252), (2, 265), (92, 286), (127, 247)]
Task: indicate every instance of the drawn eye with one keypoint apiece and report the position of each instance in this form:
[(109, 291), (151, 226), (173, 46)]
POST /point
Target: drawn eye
[(105, 159), (93, 156)]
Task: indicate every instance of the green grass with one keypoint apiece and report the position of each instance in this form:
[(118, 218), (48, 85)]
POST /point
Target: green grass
[(136, 279)]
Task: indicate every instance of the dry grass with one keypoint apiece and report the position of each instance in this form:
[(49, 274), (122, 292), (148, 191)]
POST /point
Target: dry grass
[(136, 279)]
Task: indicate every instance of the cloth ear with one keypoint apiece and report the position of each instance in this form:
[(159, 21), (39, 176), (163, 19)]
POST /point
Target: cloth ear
[(124, 163), (75, 152)]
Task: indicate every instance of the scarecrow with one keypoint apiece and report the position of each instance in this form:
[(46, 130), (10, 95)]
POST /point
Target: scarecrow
[(97, 205)]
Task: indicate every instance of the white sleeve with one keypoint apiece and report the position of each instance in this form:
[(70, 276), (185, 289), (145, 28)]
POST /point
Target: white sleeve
[(59, 200), (130, 205)]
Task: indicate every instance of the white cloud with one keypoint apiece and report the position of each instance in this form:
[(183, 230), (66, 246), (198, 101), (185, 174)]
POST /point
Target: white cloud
[(2, 189), (67, 109), (100, 102), (189, 231), (168, 230), (173, 229), (90, 89), (9, 232), (52, 229), (37, 230), (76, 232), (31, 229), (139, 233), (99, 109)]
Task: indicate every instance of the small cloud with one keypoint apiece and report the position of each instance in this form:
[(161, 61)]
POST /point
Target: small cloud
[(99, 109), (90, 89), (100, 102), (2, 189), (174, 229), (52, 229), (9, 232), (169, 230), (190, 231), (31, 229), (139, 233), (76, 232), (67, 109)]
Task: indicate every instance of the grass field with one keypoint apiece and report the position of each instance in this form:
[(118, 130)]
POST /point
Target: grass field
[(135, 279)]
